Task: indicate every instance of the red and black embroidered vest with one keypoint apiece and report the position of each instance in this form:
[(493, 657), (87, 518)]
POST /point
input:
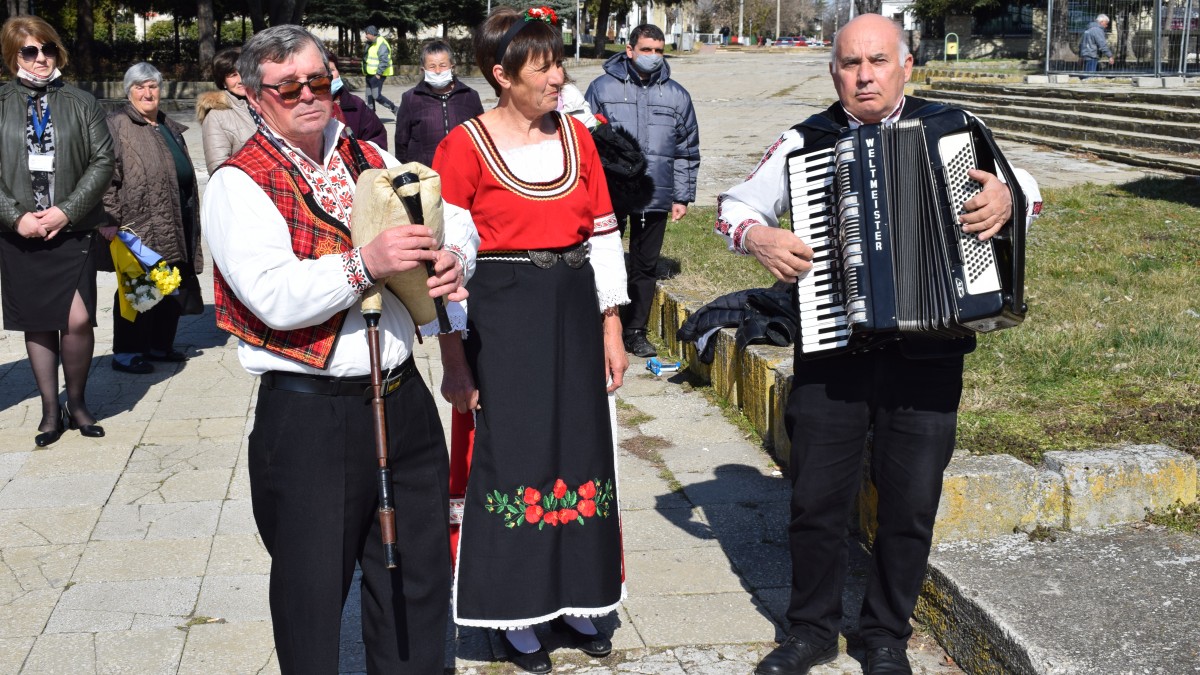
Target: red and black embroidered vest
[(314, 234)]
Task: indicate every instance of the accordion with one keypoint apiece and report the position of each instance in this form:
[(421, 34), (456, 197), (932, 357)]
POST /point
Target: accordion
[(880, 210)]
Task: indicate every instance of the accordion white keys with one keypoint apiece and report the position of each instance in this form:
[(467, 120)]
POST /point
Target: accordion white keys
[(880, 210)]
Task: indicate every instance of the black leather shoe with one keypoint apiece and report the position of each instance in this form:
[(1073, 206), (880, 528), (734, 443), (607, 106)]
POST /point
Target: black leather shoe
[(137, 366), (597, 645), (90, 430), (172, 356), (637, 344), (49, 437), (794, 657), (887, 661), (537, 662)]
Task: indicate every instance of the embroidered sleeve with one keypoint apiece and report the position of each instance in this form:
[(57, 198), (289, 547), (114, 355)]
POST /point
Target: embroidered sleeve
[(608, 262), (761, 198), (356, 272), (604, 225)]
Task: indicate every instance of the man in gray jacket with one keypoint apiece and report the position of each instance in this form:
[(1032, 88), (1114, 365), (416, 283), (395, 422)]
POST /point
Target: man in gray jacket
[(636, 93), (1094, 43)]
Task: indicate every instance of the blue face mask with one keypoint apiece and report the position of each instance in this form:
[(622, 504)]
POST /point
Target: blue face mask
[(335, 85), (648, 63)]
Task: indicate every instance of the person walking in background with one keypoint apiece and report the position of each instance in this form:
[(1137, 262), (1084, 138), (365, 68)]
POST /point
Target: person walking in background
[(377, 66), (903, 396), (637, 94), (225, 118), (289, 284), (543, 338), (56, 160), (1094, 43), (436, 105), (153, 194), (353, 111)]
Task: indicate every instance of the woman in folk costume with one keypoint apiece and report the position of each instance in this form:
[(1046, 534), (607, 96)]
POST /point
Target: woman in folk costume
[(540, 537)]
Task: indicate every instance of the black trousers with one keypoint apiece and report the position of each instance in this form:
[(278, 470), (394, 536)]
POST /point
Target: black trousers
[(375, 93), (910, 406), (646, 232), (153, 329), (314, 489)]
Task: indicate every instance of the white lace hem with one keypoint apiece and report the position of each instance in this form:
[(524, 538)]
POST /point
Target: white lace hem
[(589, 612), (612, 297), (457, 312)]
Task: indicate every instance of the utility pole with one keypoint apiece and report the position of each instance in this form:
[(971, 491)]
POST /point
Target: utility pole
[(578, 11), (741, 16), (777, 19)]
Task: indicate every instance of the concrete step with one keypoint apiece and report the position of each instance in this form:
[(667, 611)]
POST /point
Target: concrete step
[(1172, 134), (1184, 97), (971, 100), (1092, 135)]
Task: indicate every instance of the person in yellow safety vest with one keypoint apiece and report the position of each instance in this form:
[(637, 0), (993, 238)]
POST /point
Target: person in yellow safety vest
[(377, 65)]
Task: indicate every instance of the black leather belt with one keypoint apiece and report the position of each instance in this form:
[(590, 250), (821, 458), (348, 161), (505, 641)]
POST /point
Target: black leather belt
[(574, 256), (324, 385)]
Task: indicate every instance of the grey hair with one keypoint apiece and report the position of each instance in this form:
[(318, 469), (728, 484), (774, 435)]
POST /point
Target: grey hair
[(139, 73), (1101, 17), (276, 45), (902, 46), (435, 47)]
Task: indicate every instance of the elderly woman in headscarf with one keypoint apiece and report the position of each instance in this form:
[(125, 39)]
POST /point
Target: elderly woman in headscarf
[(225, 119), (153, 194)]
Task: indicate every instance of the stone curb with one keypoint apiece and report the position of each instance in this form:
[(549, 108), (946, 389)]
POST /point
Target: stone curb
[(983, 496)]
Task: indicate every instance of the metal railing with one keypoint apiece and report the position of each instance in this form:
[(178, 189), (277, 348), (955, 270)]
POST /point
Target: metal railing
[(1145, 37)]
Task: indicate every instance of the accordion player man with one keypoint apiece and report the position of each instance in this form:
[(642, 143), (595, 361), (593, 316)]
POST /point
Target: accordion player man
[(904, 395)]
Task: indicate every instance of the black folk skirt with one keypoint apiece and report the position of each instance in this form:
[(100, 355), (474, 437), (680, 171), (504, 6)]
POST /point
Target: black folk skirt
[(541, 533), (39, 279)]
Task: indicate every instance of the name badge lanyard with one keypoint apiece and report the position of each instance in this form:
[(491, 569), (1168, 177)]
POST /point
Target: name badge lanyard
[(39, 123)]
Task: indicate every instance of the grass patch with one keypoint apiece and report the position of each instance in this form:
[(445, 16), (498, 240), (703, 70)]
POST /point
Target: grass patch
[(1110, 350), (1178, 516), (784, 93)]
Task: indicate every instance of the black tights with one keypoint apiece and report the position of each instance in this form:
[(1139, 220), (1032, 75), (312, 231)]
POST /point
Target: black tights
[(74, 347)]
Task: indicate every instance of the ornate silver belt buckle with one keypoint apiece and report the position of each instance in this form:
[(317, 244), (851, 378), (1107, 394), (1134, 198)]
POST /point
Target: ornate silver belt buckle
[(543, 259), (576, 257)]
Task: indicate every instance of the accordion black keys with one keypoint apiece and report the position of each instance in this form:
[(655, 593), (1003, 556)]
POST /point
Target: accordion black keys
[(880, 210)]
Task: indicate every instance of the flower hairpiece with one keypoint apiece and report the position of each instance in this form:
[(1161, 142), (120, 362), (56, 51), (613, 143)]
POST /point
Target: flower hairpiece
[(542, 13)]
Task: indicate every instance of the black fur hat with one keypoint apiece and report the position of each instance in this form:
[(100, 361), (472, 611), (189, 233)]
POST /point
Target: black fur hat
[(624, 167)]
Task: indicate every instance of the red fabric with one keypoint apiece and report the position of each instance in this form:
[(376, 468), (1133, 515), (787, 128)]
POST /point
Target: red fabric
[(462, 443), (313, 236), (512, 216)]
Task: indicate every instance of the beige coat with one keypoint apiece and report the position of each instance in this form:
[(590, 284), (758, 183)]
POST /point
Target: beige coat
[(226, 122)]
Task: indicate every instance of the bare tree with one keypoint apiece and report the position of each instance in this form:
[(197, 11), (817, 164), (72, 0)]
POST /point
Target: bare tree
[(84, 29), (16, 7)]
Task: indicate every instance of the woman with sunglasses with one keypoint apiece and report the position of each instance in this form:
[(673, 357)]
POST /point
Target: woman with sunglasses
[(153, 193), (540, 539), (56, 160)]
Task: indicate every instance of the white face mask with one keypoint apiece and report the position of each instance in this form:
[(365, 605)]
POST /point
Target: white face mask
[(336, 85), (37, 80), (439, 80)]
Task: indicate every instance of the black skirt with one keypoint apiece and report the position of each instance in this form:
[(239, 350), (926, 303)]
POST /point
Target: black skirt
[(541, 530), (39, 279)]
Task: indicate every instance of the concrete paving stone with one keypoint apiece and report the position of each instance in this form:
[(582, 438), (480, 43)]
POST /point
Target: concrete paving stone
[(178, 520), (712, 618), (775, 601), (699, 458), (235, 598), (237, 517), (239, 484), (237, 554), (139, 652), (66, 653), (171, 432), (150, 457), (761, 565), (686, 425), (138, 488), (749, 521), (13, 652), (223, 429), (30, 568), (11, 463), (667, 529), (165, 597), (19, 438), (731, 483), (26, 614), (196, 486), (59, 460), (467, 646), (682, 571), (84, 489), (651, 493), (1105, 487), (213, 378), (34, 527), (135, 560), (91, 621), (234, 648), (183, 406)]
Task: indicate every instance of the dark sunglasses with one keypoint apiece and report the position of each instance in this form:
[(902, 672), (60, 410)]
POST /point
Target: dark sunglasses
[(50, 50), (290, 90)]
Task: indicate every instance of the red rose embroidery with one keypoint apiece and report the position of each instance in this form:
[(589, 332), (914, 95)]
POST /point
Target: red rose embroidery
[(552, 518), (560, 489), (533, 514), (587, 508), (532, 496), (587, 490), (567, 515)]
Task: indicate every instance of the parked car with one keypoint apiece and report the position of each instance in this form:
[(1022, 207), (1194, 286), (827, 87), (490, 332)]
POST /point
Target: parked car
[(787, 42)]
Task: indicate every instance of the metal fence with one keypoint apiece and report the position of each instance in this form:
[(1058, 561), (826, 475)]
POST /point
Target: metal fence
[(1146, 37)]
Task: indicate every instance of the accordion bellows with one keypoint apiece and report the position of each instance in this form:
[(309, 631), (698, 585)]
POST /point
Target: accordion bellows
[(377, 207)]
